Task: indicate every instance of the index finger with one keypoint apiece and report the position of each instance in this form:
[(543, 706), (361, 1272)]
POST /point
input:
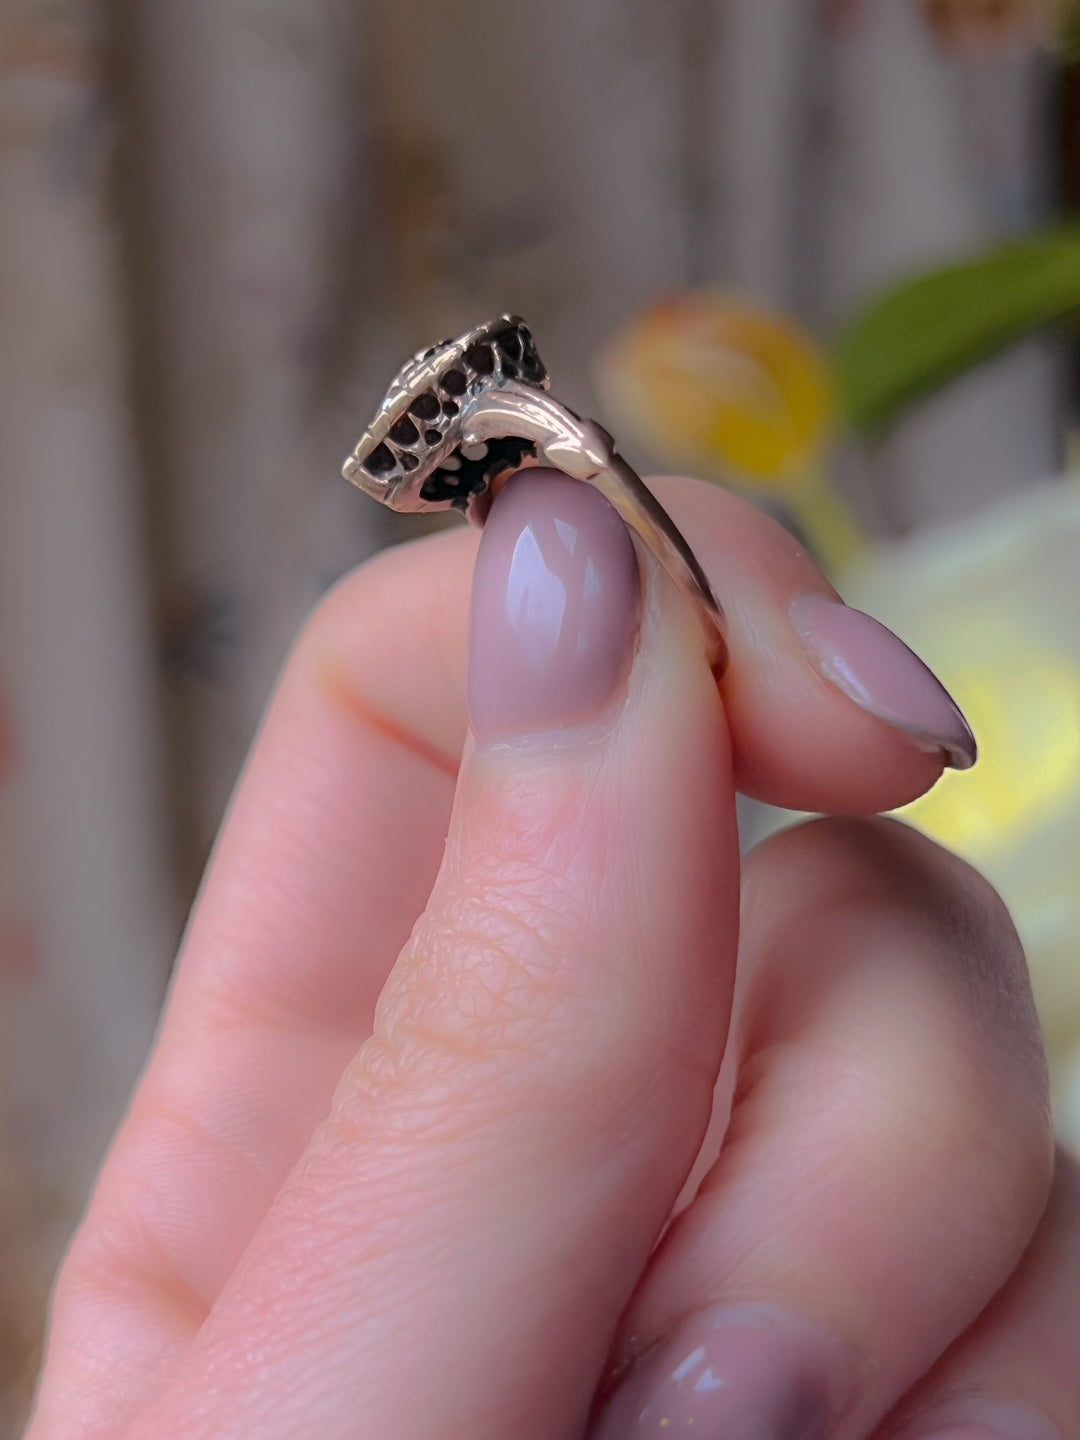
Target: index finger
[(829, 711)]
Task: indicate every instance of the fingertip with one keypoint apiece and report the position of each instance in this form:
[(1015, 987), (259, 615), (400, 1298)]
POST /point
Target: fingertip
[(829, 711), (870, 665)]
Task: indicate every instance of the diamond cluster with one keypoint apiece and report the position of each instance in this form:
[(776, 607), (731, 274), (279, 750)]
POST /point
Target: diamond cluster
[(416, 428)]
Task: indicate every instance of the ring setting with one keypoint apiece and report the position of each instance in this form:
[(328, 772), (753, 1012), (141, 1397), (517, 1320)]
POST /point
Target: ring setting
[(465, 414)]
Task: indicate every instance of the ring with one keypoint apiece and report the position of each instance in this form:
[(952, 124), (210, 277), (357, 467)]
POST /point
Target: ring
[(462, 416)]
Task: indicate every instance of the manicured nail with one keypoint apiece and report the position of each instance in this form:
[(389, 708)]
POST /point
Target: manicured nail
[(878, 671), (974, 1419), (752, 1371), (555, 608)]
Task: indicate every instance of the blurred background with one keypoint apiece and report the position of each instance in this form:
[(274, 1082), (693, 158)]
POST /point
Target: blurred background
[(818, 250)]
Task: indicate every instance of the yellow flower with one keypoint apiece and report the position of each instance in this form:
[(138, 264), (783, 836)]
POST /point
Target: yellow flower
[(717, 386)]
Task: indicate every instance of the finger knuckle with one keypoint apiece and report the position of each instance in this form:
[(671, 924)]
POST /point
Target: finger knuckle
[(493, 1006), (941, 1042)]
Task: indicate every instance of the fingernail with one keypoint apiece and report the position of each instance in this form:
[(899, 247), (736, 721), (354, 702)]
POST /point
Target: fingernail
[(555, 608), (878, 671), (974, 1419), (752, 1371)]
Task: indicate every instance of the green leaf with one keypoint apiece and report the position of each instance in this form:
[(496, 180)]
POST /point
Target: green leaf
[(931, 328)]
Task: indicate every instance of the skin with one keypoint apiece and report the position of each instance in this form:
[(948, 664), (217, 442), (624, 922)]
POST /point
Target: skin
[(372, 1182)]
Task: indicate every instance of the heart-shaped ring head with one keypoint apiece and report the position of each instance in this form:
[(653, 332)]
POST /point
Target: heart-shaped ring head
[(412, 455)]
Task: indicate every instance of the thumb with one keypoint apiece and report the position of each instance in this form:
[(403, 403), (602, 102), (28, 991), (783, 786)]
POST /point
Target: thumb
[(452, 1254)]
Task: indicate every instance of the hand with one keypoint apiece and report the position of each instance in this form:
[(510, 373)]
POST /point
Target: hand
[(405, 1158)]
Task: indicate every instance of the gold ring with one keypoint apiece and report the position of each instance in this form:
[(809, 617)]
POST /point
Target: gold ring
[(462, 416)]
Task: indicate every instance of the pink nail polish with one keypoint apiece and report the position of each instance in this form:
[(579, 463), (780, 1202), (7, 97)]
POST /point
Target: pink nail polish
[(555, 608), (753, 1371), (873, 667)]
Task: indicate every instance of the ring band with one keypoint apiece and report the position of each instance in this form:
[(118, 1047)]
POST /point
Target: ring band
[(461, 417)]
